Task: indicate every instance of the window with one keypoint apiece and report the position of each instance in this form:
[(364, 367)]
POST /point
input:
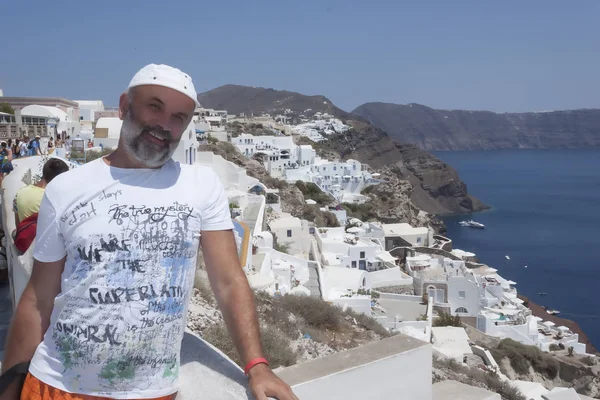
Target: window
[(289, 233), (462, 294), (362, 254), (353, 264), (461, 310), (334, 168)]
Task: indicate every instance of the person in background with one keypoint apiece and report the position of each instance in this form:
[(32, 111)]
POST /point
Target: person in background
[(90, 144), (68, 145), (24, 147), (7, 157), (26, 203), (16, 149), (34, 147), (50, 146)]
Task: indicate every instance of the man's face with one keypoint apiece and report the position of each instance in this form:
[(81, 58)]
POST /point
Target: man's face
[(154, 118)]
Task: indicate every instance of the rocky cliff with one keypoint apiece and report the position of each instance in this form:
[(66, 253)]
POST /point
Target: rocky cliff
[(424, 180), (431, 185), (432, 129)]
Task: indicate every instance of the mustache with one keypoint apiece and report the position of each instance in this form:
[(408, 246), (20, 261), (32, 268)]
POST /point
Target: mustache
[(158, 131)]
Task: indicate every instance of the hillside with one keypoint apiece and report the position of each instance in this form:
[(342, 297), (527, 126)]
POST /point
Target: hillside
[(249, 100), (431, 129), (432, 185)]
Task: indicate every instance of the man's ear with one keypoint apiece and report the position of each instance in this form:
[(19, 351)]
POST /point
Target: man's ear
[(123, 105)]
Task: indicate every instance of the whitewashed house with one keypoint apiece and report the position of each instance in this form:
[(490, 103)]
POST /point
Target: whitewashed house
[(292, 232), (402, 234)]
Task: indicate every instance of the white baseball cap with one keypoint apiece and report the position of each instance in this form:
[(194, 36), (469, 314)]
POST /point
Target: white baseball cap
[(167, 76)]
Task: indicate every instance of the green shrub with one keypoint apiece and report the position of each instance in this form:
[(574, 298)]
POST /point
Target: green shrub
[(589, 360), (331, 220), (314, 312), (468, 375), (446, 319), (364, 212), (368, 322), (522, 356), (276, 346), (312, 191)]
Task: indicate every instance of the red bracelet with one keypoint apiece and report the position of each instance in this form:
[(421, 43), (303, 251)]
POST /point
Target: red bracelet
[(253, 363)]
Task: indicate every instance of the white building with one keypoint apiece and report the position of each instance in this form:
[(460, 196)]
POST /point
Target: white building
[(89, 108), (279, 152), (292, 232), (341, 249), (485, 300), (402, 234), (317, 130), (58, 120), (107, 132), (343, 179)]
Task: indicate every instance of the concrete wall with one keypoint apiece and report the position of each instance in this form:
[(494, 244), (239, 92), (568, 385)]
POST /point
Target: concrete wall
[(360, 304), (395, 368)]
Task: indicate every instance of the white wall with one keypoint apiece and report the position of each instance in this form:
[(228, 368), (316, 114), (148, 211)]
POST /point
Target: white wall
[(299, 241), (389, 277), (360, 304), (406, 375), (470, 301)]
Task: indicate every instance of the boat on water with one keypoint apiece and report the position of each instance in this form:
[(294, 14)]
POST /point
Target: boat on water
[(542, 294), (472, 224), (507, 257), (551, 312)]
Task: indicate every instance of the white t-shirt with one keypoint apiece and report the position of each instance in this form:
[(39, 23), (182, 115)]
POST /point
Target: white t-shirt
[(130, 237)]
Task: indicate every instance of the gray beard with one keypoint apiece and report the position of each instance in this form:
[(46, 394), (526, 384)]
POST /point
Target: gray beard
[(143, 151)]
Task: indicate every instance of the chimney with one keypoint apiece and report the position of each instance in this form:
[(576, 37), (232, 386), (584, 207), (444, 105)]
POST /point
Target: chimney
[(1, 93)]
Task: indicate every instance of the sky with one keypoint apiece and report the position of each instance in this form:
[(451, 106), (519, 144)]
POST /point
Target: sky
[(503, 56)]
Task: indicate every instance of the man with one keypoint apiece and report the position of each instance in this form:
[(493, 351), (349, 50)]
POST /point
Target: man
[(34, 147), (117, 241), (68, 145), (27, 201), (23, 147)]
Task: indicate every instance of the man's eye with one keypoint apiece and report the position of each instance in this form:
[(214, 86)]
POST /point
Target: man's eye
[(154, 106)]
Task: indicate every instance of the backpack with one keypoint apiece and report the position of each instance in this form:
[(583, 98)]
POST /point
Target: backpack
[(29, 146)]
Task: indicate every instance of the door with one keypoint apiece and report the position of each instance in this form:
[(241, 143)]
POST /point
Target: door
[(362, 264)]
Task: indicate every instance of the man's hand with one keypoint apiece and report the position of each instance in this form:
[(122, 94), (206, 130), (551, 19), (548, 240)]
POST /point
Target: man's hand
[(264, 384)]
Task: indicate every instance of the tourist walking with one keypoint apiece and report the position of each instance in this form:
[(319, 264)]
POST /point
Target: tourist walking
[(104, 312), (27, 201), (5, 161), (24, 147), (34, 147)]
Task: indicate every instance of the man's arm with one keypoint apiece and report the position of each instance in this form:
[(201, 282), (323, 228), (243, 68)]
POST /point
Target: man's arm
[(32, 316), (236, 301)]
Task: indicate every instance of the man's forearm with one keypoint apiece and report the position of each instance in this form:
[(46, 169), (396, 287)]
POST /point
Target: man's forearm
[(236, 301), (26, 331)]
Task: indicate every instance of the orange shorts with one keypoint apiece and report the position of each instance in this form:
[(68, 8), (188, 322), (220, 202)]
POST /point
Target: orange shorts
[(34, 389)]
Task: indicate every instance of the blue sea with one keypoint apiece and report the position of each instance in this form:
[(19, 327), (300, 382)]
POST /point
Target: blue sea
[(546, 215)]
